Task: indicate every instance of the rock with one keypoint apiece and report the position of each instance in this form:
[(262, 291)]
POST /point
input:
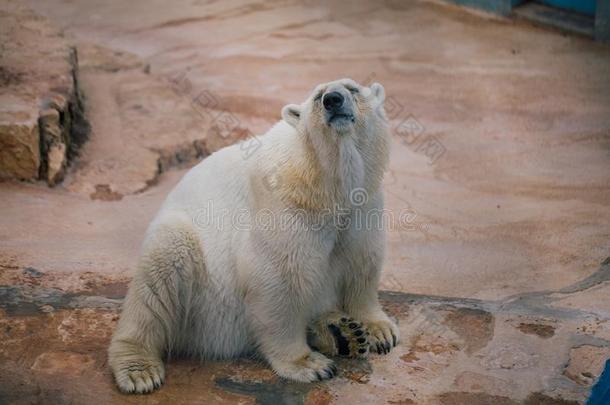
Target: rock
[(41, 109), (56, 162), (19, 140), (142, 126), (586, 363), (32, 272), (63, 362)]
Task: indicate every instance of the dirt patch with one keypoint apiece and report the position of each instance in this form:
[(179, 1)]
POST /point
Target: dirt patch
[(472, 398), (425, 344), (541, 330), (395, 303), (429, 355), (538, 398), (113, 290), (19, 386), (63, 362), (469, 381), (359, 377), (103, 192), (409, 357), (267, 393), (9, 78), (474, 326), (319, 397), (100, 58), (358, 371)]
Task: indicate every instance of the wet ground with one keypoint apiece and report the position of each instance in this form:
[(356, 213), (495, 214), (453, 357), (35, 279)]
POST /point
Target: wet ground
[(499, 187)]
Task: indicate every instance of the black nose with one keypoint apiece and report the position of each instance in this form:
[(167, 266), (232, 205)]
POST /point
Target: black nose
[(332, 101)]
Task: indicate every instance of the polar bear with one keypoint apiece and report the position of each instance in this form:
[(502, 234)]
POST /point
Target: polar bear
[(259, 252)]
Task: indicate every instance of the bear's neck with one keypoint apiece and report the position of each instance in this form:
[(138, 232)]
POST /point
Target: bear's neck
[(324, 176)]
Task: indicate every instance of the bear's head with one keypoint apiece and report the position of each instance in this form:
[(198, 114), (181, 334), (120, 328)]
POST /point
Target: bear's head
[(345, 127), (339, 108)]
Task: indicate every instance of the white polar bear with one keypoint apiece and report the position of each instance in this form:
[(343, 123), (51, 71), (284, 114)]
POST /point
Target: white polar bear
[(260, 252)]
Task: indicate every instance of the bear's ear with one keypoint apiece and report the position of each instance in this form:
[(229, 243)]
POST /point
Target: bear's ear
[(292, 114), (378, 91)]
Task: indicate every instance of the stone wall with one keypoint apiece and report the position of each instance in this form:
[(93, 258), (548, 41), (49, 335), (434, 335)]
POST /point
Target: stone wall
[(41, 110)]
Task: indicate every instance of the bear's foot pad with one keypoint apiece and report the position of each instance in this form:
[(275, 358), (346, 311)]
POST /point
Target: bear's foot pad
[(336, 334)]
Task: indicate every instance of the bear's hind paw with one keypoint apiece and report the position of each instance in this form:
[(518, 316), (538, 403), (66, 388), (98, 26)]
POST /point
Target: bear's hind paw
[(336, 334), (351, 337)]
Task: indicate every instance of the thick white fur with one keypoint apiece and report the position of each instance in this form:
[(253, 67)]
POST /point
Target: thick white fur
[(213, 283)]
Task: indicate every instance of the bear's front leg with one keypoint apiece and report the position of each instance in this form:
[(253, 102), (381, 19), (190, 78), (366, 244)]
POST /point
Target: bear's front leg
[(362, 260), (383, 332), (361, 302)]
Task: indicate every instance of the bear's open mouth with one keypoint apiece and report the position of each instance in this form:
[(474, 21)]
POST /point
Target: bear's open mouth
[(341, 116)]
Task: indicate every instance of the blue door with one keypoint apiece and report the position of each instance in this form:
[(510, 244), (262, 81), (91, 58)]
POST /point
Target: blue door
[(581, 6)]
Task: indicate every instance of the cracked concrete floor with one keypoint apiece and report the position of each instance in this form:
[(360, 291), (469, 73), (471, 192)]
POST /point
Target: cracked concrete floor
[(497, 270)]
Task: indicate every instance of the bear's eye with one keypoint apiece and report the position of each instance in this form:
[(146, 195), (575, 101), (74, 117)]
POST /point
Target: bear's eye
[(352, 90)]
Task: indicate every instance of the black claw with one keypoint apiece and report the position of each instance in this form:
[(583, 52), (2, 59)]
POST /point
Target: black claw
[(359, 332), (353, 325), (394, 340), (343, 319), (378, 348), (319, 376), (362, 351), (361, 340), (387, 346), (333, 370)]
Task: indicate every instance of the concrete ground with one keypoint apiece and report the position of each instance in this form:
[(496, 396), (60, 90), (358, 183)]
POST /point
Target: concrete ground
[(499, 187)]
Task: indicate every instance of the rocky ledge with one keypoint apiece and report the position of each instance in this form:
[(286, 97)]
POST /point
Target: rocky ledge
[(41, 109)]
